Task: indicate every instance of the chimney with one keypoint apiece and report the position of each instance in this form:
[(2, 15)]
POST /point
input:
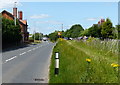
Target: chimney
[(102, 20), (99, 22), (20, 15), (15, 12)]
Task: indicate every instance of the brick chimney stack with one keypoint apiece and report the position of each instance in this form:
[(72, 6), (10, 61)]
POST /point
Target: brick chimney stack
[(102, 20), (20, 15), (15, 12), (99, 22)]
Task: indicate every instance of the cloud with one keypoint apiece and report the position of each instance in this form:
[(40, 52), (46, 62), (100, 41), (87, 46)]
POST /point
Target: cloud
[(50, 27), (8, 3), (40, 16), (49, 22), (94, 19)]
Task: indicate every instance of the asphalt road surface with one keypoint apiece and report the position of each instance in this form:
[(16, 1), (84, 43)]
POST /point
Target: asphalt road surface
[(27, 65)]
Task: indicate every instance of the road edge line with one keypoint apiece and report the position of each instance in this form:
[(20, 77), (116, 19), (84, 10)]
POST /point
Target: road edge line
[(50, 61)]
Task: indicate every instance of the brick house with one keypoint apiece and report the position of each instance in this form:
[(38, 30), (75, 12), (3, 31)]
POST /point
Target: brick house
[(101, 21), (22, 23)]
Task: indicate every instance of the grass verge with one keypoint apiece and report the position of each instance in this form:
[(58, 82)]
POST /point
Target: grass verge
[(75, 69)]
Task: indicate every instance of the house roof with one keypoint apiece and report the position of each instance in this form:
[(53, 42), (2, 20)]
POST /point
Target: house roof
[(8, 13), (23, 22)]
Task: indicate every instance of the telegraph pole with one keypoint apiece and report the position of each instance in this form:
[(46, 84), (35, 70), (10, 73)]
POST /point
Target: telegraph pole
[(39, 36), (62, 27), (34, 35), (34, 31), (61, 31)]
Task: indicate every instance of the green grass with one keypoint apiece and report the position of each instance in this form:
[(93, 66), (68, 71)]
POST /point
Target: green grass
[(75, 69)]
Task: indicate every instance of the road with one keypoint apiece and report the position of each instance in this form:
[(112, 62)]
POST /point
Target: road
[(27, 65)]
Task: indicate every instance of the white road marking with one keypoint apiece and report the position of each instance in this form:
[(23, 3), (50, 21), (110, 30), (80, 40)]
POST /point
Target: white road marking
[(23, 53), (33, 49), (29, 50), (10, 58)]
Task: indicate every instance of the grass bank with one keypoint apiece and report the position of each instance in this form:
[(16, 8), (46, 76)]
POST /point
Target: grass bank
[(75, 69)]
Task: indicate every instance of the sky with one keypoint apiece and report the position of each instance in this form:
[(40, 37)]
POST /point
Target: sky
[(46, 17)]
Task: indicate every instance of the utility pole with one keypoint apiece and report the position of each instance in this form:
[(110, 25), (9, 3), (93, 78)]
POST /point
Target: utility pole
[(39, 36), (15, 20), (62, 27), (61, 31), (34, 31), (34, 35)]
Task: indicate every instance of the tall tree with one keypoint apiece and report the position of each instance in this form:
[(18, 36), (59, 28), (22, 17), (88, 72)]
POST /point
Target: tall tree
[(37, 36), (10, 32), (117, 31), (53, 36), (74, 31), (85, 33), (107, 29)]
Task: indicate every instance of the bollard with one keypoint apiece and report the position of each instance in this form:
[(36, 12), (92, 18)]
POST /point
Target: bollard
[(56, 63)]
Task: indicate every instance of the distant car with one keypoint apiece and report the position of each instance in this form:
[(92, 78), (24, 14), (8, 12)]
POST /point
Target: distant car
[(85, 38), (66, 38), (71, 38), (79, 38), (45, 39)]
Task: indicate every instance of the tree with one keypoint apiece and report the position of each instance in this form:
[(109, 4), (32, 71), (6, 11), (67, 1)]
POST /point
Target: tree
[(37, 36), (10, 33), (74, 31), (45, 36), (117, 31), (107, 29), (85, 33), (95, 31), (53, 36)]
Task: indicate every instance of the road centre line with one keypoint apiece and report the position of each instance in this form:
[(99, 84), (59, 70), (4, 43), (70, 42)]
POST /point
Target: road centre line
[(23, 53), (29, 50), (10, 58)]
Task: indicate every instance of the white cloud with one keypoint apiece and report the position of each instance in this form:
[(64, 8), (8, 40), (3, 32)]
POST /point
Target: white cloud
[(8, 3), (50, 22), (40, 16), (94, 19)]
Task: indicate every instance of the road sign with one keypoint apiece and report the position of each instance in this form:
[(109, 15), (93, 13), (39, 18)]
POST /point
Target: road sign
[(59, 33)]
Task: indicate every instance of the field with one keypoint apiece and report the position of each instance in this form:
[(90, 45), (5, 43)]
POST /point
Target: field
[(91, 61)]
